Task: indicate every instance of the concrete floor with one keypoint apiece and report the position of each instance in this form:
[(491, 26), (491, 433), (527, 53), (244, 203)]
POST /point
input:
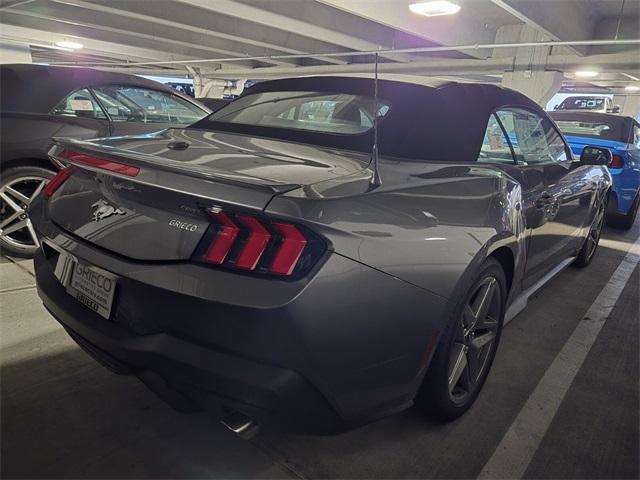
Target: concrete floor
[(64, 416)]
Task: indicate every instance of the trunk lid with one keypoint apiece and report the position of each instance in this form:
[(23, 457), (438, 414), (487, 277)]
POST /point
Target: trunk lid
[(160, 213)]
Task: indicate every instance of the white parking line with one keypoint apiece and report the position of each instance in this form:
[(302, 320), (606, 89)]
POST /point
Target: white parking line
[(514, 453)]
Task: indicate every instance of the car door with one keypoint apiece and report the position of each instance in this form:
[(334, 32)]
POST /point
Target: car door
[(557, 193), (80, 116), (135, 110)]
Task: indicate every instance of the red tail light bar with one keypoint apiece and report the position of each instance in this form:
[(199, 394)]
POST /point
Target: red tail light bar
[(226, 235), (256, 243), (58, 180), (249, 243), (617, 162), (104, 164), (293, 243)]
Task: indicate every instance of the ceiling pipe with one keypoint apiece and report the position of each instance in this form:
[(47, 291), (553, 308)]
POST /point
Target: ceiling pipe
[(476, 46)]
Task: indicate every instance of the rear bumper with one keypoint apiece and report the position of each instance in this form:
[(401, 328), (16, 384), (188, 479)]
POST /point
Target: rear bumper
[(626, 188), (320, 355), (188, 376)]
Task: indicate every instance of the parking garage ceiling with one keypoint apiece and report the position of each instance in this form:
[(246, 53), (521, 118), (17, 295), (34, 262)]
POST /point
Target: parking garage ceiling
[(147, 36)]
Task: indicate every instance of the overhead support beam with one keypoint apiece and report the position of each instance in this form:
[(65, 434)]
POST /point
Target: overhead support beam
[(422, 67), (123, 35), (446, 67), (13, 4), (47, 39), (503, 47), (610, 62), (175, 33), (289, 24), (11, 52), (555, 20), (148, 12), (612, 27), (473, 24)]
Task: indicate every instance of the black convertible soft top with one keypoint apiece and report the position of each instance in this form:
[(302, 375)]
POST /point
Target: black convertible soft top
[(38, 88), (441, 121), (620, 127)]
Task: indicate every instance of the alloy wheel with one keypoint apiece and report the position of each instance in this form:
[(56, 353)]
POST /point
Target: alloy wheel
[(474, 340), (594, 233), (15, 198)]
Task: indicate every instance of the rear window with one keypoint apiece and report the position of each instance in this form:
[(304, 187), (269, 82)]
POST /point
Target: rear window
[(608, 130), (337, 113), (582, 103), (137, 104)]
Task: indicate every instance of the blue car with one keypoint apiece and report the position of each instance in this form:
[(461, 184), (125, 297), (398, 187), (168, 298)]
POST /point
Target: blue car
[(621, 135)]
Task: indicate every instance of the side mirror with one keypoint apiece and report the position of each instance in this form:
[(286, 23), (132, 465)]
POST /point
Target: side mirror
[(596, 156), (615, 109)]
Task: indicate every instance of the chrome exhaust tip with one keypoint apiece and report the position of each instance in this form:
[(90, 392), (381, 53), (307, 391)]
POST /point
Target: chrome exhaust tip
[(240, 424)]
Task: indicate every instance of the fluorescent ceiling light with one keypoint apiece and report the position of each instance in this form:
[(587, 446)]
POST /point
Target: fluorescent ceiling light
[(586, 73), (69, 44), (434, 9), (632, 88)]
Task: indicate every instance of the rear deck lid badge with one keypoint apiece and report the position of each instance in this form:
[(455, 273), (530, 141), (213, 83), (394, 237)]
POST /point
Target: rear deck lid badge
[(104, 210)]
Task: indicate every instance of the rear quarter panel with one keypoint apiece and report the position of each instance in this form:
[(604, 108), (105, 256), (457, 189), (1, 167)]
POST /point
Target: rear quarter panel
[(428, 224)]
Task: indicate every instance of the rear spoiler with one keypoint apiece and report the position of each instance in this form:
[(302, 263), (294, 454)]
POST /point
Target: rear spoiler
[(156, 171)]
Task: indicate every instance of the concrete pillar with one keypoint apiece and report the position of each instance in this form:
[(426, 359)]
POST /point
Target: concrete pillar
[(216, 87), (15, 53), (205, 87), (629, 105), (529, 75)]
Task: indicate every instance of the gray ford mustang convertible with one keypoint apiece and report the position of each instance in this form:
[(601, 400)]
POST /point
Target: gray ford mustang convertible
[(269, 265)]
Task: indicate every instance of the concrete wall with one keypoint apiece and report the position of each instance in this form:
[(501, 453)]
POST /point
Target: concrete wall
[(629, 105)]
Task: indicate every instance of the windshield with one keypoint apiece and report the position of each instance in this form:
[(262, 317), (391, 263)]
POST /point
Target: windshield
[(338, 113), (582, 103)]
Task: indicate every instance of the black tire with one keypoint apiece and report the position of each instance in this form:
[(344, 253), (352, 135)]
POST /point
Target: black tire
[(17, 186), (625, 222), (591, 242), (436, 396)]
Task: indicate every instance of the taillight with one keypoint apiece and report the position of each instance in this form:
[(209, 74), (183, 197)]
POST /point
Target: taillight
[(289, 251), (225, 236), (58, 180), (102, 163), (617, 162), (259, 244), (255, 245)]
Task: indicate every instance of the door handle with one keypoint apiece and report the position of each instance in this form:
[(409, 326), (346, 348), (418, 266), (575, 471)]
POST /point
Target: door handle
[(544, 201)]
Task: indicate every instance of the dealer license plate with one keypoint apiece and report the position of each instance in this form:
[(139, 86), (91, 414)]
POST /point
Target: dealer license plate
[(90, 285)]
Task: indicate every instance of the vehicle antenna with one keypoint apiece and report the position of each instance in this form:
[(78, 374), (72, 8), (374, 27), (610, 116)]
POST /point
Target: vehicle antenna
[(375, 179)]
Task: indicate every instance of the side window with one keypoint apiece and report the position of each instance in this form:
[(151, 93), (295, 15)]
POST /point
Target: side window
[(80, 104), (533, 137), (135, 104), (495, 146), (636, 135)]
